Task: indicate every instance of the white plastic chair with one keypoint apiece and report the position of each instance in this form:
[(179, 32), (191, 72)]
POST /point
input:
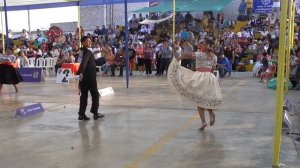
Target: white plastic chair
[(53, 65), (99, 69), (49, 65), (117, 70), (31, 62), (40, 62)]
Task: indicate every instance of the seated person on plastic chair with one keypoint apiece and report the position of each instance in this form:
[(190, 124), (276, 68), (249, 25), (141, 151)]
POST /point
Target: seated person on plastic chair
[(24, 62), (297, 71), (223, 65), (60, 61), (270, 72), (110, 64), (100, 60), (70, 57), (120, 60), (265, 62)]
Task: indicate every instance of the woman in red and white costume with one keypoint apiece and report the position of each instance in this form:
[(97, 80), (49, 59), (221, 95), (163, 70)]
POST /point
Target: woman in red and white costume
[(200, 87), (8, 70)]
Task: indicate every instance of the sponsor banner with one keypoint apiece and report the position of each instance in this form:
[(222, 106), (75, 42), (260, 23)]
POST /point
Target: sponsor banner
[(29, 110), (262, 6), (31, 74)]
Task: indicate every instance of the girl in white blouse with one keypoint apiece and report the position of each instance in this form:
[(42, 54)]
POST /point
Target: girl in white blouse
[(200, 87)]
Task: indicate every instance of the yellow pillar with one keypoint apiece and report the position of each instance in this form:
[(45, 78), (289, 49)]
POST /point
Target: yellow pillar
[(78, 25), (280, 84), (2, 30), (290, 42), (174, 20)]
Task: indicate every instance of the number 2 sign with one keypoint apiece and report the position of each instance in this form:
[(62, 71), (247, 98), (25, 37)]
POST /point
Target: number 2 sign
[(63, 75)]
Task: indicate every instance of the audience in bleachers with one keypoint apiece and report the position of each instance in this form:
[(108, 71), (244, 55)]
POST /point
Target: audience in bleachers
[(151, 46)]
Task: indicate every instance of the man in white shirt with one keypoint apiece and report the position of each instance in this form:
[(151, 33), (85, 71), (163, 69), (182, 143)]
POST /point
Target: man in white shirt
[(177, 50), (240, 33), (144, 29), (98, 56), (55, 51), (97, 51), (111, 36), (202, 34)]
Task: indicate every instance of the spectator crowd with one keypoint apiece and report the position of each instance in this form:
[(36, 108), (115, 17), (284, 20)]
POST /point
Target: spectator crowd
[(151, 45)]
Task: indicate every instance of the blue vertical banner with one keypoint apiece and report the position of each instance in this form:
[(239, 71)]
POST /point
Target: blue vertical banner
[(262, 6), (126, 43)]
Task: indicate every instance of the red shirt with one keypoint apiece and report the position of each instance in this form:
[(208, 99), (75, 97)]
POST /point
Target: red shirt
[(140, 52)]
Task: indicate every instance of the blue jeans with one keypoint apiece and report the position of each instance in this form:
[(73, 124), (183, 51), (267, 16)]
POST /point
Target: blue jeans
[(223, 71)]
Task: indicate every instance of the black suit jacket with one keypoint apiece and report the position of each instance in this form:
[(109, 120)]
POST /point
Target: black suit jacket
[(88, 65)]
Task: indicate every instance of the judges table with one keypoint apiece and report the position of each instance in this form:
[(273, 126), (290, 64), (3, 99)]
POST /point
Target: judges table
[(15, 65), (73, 66)]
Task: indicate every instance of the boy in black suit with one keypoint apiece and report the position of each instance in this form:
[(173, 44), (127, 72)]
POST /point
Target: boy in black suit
[(88, 82)]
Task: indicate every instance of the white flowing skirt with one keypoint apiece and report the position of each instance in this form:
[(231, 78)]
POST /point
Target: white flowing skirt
[(200, 88)]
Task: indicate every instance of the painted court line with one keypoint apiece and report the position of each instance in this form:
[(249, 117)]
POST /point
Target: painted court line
[(154, 148)]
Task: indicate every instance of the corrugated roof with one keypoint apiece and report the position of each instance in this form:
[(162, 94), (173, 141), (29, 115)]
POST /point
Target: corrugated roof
[(13, 5), (32, 2)]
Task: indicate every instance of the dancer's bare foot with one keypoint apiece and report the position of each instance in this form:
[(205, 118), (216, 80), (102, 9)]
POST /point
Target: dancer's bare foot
[(203, 126)]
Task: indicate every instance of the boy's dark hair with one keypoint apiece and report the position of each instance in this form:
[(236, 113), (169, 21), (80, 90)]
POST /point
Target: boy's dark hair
[(84, 38), (265, 54)]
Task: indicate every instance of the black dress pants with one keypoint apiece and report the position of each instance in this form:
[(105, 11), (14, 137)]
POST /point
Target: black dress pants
[(187, 63), (148, 65), (121, 70), (164, 65), (86, 86)]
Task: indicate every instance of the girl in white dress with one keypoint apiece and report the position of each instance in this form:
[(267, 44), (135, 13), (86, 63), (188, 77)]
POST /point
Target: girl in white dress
[(201, 87)]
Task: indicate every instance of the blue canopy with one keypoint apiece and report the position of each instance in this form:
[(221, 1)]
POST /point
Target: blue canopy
[(187, 6)]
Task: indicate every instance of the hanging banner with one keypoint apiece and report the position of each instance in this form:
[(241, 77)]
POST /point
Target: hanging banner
[(154, 3), (262, 6), (34, 74), (298, 6), (147, 21)]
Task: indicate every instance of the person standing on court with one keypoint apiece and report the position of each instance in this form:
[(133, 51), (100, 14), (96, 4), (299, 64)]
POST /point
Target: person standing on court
[(87, 81)]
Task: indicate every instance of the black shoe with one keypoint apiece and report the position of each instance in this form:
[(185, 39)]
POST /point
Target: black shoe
[(83, 118), (98, 115)]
